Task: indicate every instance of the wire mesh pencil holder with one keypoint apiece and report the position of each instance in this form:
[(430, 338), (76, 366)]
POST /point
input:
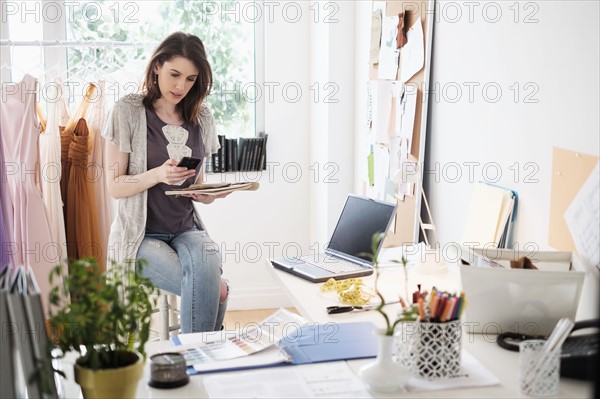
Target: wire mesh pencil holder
[(438, 349), (406, 337), (539, 372)]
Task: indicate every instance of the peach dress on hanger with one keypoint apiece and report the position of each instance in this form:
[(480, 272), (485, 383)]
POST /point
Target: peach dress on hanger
[(20, 135), (83, 234), (104, 202)]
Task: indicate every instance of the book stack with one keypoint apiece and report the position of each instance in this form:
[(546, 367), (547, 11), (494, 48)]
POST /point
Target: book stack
[(242, 154)]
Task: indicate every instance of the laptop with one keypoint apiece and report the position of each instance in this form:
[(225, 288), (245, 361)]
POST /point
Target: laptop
[(361, 217)]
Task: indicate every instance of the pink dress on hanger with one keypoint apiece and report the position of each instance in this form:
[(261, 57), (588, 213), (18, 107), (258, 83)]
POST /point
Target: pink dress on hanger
[(50, 152), (6, 215), (20, 134)]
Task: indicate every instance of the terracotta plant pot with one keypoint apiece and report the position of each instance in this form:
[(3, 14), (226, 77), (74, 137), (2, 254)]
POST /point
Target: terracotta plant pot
[(118, 382)]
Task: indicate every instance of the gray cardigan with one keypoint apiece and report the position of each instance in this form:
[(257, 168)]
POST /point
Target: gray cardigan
[(126, 128)]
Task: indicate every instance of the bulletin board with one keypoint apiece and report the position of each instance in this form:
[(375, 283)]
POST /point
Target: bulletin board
[(407, 14), (570, 169)]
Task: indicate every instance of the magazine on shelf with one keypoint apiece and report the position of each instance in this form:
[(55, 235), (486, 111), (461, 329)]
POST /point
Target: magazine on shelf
[(215, 188)]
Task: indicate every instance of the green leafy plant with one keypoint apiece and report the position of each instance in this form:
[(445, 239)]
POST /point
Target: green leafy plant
[(408, 313), (101, 315)]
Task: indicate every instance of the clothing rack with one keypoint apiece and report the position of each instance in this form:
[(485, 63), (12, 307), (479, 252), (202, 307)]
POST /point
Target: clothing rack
[(71, 43)]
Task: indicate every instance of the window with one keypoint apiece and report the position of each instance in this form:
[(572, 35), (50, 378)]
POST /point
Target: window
[(112, 40)]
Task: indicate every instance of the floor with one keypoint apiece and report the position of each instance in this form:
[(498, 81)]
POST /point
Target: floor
[(234, 320), (237, 319)]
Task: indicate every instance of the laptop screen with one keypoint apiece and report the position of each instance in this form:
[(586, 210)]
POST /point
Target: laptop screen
[(360, 219)]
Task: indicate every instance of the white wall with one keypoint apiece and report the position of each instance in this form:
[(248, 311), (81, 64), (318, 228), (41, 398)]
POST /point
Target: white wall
[(301, 194), (558, 58)]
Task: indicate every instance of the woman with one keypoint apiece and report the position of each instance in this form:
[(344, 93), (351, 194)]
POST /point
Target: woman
[(149, 133)]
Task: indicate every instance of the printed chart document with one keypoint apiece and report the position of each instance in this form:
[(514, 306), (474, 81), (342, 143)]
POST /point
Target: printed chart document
[(583, 219), (331, 380), (211, 354), (215, 188)]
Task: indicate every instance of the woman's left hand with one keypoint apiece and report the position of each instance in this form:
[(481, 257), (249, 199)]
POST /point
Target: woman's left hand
[(203, 198)]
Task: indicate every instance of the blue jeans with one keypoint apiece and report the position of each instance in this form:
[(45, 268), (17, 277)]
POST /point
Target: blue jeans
[(187, 264)]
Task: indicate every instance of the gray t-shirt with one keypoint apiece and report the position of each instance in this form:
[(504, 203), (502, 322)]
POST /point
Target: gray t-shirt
[(167, 213)]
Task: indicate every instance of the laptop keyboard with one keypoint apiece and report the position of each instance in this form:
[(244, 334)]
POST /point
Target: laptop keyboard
[(330, 263)]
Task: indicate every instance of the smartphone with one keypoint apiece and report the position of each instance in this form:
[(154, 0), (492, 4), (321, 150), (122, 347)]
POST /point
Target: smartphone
[(190, 162)]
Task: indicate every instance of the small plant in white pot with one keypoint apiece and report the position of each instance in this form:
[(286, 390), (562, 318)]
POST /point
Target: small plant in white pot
[(386, 374), (105, 317)]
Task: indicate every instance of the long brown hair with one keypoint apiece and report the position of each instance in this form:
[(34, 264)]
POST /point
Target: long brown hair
[(190, 47)]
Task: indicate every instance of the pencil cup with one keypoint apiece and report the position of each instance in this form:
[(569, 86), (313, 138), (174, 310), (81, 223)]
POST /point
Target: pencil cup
[(438, 349), (539, 371), (406, 336)]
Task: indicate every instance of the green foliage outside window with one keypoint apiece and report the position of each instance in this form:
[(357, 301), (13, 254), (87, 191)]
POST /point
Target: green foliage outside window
[(227, 37)]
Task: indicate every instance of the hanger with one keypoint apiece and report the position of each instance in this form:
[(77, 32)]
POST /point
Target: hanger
[(38, 69), (5, 62)]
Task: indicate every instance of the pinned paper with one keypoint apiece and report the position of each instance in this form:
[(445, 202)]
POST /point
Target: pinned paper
[(407, 110), (583, 219), (390, 190), (407, 189), (412, 56), (384, 97), (382, 165), (401, 35), (376, 20), (388, 53)]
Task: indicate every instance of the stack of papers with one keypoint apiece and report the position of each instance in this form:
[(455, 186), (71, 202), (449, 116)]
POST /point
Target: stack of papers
[(215, 188), (491, 216)]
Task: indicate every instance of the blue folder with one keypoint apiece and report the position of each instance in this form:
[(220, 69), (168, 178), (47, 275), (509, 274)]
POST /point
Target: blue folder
[(318, 343), (330, 341)]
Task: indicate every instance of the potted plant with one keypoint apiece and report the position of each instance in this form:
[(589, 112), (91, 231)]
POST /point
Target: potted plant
[(385, 373), (105, 317)]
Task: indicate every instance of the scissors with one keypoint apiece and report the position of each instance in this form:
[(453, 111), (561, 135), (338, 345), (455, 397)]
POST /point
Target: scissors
[(344, 309)]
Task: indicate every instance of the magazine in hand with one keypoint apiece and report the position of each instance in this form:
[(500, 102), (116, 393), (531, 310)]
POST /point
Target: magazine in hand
[(215, 188)]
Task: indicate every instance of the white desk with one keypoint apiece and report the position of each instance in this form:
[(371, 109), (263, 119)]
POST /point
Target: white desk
[(311, 303)]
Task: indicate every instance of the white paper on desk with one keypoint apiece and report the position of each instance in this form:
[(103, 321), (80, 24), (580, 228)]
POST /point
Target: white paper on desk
[(583, 219), (388, 53), (412, 55), (331, 380), (472, 374)]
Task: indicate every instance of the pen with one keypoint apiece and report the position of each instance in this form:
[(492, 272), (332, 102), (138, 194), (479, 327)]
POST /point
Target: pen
[(402, 302), (446, 315), (421, 310), (441, 306), (433, 307)]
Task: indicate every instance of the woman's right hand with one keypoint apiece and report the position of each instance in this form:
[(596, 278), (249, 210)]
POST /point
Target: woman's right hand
[(170, 173)]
